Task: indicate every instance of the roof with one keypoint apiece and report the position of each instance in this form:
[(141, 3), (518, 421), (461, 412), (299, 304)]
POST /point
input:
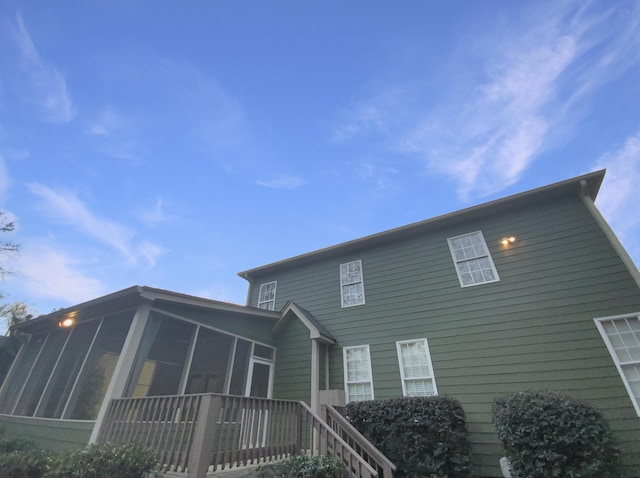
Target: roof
[(132, 297), (316, 329), (588, 183)]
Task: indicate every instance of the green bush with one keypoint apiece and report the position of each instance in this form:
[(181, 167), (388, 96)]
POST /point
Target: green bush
[(546, 435), (20, 458), (423, 437), (303, 466), (127, 460)]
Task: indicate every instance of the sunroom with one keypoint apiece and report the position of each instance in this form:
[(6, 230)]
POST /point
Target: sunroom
[(139, 342)]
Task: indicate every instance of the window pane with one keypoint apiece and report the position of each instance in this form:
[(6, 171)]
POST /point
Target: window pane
[(240, 367), (41, 372), (67, 370), (210, 362), (23, 370), (159, 371), (95, 376), (357, 363)]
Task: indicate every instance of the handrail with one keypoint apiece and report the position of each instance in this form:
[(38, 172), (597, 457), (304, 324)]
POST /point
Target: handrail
[(331, 443), (373, 456), (193, 433)]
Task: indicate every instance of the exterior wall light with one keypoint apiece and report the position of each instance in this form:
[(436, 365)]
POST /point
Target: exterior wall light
[(68, 321), (505, 241)]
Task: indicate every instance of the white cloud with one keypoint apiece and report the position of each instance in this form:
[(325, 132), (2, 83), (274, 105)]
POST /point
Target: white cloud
[(618, 198), (156, 215), (52, 274), (282, 181), (484, 131), (150, 252), (67, 208), (48, 85)]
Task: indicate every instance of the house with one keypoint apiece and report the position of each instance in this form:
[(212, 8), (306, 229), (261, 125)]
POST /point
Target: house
[(533, 291)]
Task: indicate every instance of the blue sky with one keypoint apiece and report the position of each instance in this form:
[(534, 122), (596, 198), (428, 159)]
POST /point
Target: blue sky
[(173, 144)]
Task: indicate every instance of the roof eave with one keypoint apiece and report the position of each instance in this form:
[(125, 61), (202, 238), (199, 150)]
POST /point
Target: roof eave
[(593, 180)]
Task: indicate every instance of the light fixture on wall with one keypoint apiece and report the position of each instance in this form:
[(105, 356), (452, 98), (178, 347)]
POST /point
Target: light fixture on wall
[(505, 241), (68, 320)]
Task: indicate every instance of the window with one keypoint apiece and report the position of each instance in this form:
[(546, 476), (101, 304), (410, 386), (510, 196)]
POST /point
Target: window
[(351, 284), (267, 296), (472, 259), (358, 384), (621, 334), (416, 371)]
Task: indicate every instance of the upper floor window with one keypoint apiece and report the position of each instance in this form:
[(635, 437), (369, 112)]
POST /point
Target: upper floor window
[(267, 296), (416, 371), (472, 259), (621, 334), (351, 284), (358, 380)]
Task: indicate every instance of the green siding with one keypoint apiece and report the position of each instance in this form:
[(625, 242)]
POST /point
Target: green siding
[(532, 329), (55, 435), (293, 363)]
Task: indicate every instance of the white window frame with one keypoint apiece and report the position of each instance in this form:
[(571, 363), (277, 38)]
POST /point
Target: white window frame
[(404, 379), (346, 283), (621, 366), (472, 259), (263, 301), (368, 370)]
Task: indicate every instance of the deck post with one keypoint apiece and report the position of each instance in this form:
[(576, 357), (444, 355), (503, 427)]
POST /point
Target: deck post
[(203, 436)]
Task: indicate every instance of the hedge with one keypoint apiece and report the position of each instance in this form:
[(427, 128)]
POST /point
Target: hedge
[(423, 437), (547, 434)]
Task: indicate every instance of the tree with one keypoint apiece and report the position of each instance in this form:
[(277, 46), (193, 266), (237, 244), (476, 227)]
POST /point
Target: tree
[(15, 313), (6, 225)]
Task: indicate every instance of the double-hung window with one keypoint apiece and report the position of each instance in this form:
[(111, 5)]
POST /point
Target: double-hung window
[(621, 334), (351, 284), (472, 259), (267, 296), (358, 381), (416, 371)]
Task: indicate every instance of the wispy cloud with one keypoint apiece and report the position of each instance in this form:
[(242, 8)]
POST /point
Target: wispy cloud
[(618, 198), (155, 215), (49, 273), (283, 181), (67, 208), (382, 175), (48, 88), (115, 135), (484, 133)]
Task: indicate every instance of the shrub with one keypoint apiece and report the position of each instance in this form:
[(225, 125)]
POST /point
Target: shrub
[(20, 458), (127, 460), (423, 437), (303, 466), (546, 434)]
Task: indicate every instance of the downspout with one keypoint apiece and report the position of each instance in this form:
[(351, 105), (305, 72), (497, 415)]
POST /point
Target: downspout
[(123, 366), (608, 232)]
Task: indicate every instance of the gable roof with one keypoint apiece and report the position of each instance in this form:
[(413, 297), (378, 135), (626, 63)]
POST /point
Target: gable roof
[(588, 184), (316, 329)]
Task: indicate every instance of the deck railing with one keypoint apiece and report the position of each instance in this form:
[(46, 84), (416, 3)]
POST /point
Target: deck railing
[(194, 434), (360, 444)]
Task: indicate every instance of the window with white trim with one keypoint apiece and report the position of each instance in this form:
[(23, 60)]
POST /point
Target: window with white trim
[(621, 334), (351, 284), (358, 381), (267, 296), (472, 259), (416, 371)]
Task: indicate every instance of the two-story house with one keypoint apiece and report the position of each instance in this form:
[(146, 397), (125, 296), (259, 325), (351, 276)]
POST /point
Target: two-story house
[(533, 291)]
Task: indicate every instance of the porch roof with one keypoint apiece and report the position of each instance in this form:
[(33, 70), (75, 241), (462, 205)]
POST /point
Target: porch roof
[(130, 298)]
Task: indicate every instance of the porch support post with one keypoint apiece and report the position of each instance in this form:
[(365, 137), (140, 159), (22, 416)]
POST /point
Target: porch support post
[(315, 376), (124, 364), (203, 436)]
